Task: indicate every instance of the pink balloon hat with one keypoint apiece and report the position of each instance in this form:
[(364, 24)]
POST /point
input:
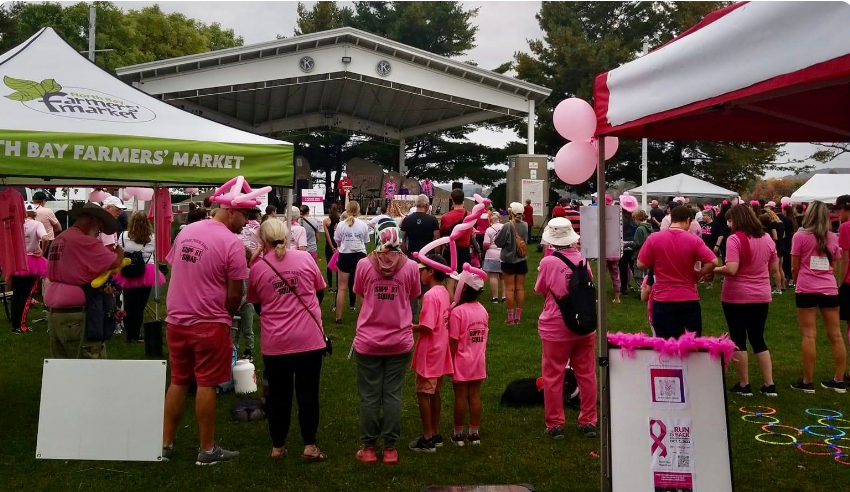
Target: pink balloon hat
[(236, 193), (609, 200), (628, 202)]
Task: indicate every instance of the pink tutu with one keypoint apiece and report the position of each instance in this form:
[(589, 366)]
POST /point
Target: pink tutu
[(146, 280), (36, 267)]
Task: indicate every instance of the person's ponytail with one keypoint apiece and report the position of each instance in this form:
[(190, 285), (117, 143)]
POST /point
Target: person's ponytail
[(274, 234), (353, 210)]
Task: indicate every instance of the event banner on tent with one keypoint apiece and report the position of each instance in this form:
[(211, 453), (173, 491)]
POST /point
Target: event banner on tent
[(129, 158)]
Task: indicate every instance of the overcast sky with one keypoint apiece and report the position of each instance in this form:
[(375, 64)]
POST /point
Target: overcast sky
[(503, 29)]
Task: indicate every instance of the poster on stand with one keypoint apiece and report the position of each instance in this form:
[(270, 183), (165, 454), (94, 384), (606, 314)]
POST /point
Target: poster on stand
[(532, 189), (667, 383), (672, 449), (315, 199)]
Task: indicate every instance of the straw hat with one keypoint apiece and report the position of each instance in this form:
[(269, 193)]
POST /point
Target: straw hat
[(560, 232)]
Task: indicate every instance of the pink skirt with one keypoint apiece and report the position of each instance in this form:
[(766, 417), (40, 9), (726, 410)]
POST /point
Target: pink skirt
[(146, 280), (36, 267)]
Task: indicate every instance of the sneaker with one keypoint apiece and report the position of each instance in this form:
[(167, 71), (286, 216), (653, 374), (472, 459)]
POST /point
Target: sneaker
[(494, 300), (837, 386), (367, 455), (776, 291), (459, 440), (742, 390), (167, 451), (504, 299), (390, 456), (248, 354), (589, 430), (474, 439), (847, 378), (17, 331), (352, 309), (556, 432), (218, 455), (437, 440), (422, 445), (804, 387), (769, 390)]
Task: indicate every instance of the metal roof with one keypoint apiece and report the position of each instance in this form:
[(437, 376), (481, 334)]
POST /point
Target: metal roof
[(344, 78)]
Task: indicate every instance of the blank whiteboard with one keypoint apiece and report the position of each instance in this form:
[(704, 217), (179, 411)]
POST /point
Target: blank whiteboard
[(590, 232), (101, 410), (631, 455)]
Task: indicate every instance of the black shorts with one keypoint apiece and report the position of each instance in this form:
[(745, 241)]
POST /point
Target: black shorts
[(347, 262), (673, 319), (823, 301), (520, 268), (844, 301)]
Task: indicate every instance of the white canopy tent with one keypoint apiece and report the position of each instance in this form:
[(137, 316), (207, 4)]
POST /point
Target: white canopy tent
[(822, 187), (67, 122), (683, 185)]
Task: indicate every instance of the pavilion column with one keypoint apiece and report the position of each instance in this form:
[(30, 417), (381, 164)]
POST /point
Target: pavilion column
[(402, 168), (531, 122)]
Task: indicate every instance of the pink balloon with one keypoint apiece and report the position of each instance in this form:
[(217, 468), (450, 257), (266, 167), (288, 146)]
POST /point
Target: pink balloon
[(143, 194), (127, 196), (98, 196), (468, 271), (611, 146), (575, 163), (574, 119), (422, 255), (333, 260)]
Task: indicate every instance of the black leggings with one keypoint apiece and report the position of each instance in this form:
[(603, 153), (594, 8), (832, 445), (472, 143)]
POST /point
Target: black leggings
[(786, 267), (301, 370), (747, 321), (330, 273), (22, 291), (626, 265), (135, 301)]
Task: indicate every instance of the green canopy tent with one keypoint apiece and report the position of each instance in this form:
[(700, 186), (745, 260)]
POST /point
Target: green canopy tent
[(67, 122)]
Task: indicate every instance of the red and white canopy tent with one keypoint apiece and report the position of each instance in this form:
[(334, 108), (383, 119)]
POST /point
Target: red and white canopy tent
[(753, 72)]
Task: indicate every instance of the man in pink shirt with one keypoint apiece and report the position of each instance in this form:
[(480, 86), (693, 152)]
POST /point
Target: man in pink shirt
[(76, 257), (672, 253), (46, 216), (208, 269), (842, 205)]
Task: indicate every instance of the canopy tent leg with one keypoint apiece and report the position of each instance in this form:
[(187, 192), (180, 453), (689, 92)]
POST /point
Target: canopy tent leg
[(289, 203), (156, 260), (602, 318), (644, 171)]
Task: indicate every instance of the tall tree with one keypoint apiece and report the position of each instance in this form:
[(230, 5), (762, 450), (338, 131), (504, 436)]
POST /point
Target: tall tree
[(135, 36), (583, 39), (443, 28)]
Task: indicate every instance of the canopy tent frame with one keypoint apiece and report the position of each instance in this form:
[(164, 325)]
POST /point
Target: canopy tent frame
[(822, 187)]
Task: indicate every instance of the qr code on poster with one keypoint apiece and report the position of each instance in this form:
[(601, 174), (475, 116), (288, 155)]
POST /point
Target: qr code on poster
[(683, 461), (668, 389)]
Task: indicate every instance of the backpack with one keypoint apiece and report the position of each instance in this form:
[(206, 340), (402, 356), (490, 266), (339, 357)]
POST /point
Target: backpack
[(136, 268), (578, 308)]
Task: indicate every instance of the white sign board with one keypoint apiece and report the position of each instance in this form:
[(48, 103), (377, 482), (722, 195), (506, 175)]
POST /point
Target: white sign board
[(663, 436), (590, 232), (109, 410), (532, 189), (315, 199)]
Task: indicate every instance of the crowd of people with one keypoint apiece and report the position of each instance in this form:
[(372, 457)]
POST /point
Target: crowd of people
[(229, 264)]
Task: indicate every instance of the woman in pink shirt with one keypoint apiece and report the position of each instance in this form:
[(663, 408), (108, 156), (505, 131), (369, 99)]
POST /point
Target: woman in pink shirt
[(386, 281), (560, 344), (492, 258), (284, 284), (25, 282), (813, 251), (750, 256)]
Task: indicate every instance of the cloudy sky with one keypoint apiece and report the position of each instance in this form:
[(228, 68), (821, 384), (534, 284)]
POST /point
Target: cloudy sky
[(504, 28)]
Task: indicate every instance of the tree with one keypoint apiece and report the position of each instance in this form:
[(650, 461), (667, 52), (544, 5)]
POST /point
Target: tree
[(774, 189), (828, 151), (583, 39), (135, 36), (443, 28)]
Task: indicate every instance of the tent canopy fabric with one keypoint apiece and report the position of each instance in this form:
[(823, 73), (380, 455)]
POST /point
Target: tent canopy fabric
[(683, 185), (68, 122), (823, 187), (753, 71)]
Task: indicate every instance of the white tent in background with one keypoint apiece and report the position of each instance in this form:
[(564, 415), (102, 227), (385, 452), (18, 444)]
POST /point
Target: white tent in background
[(683, 185), (823, 187)]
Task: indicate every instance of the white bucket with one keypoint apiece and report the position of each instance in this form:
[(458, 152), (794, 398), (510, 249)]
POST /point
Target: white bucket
[(244, 377)]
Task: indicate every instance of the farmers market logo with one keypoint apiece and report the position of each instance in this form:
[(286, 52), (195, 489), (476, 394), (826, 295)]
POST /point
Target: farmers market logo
[(49, 97)]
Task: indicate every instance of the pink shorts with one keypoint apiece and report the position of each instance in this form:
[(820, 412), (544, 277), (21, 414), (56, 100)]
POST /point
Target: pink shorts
[(428, 386), (200, 353)]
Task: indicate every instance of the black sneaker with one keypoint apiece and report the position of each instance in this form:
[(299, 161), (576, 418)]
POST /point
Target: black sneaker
[(504, 299), (248, 354), (422, 445), (459, 440), (556, 432), (437, 440), (474, 439), (837, 386), (769, 390), (804, 387), (589, 430), (742, 390), (17, 331), (218, 455), (352, 309), (494, 300)]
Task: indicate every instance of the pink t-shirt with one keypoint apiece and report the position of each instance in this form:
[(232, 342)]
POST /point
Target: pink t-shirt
[(286, 327), (469, 325), (491, 251), (672, 254), (74, 259), (431, 357), (297, 236), (553, 280), (694, 228), (751, 285), (34, 232), (816, 275), (47, 218), (205, 256), (385, 324), (844, 244)]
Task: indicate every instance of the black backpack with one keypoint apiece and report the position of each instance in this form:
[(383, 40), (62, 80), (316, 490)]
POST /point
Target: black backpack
[(578, 308), (136, 268)]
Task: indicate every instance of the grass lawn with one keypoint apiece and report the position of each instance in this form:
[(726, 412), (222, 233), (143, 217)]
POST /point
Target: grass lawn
[(514, 449)]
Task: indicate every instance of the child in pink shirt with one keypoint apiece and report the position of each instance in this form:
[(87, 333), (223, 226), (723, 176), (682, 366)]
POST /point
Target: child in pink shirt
[(468, 333), (431, 357)]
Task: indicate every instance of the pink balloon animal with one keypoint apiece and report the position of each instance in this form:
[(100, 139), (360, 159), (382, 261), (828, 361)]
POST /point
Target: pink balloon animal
[(237, 193)]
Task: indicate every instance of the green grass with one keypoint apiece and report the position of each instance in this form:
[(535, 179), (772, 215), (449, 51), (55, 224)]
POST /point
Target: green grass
[(513, 451)]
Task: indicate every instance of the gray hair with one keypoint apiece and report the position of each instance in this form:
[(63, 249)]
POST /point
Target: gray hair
[(422, 201)]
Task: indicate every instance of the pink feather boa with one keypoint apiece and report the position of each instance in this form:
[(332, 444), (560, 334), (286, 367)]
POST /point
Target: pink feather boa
[(681, 348)]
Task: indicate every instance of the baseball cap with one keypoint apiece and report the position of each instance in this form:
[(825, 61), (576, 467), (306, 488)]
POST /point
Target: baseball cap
[(843, 202), (653, 202), (115, 202), (29, 207)]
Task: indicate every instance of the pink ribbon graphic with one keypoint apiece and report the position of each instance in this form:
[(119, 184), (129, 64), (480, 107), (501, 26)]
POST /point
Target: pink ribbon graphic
[(658, 439)]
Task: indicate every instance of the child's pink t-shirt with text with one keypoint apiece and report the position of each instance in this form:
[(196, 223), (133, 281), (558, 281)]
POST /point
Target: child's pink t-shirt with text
[(431, 357), (469, 325)]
